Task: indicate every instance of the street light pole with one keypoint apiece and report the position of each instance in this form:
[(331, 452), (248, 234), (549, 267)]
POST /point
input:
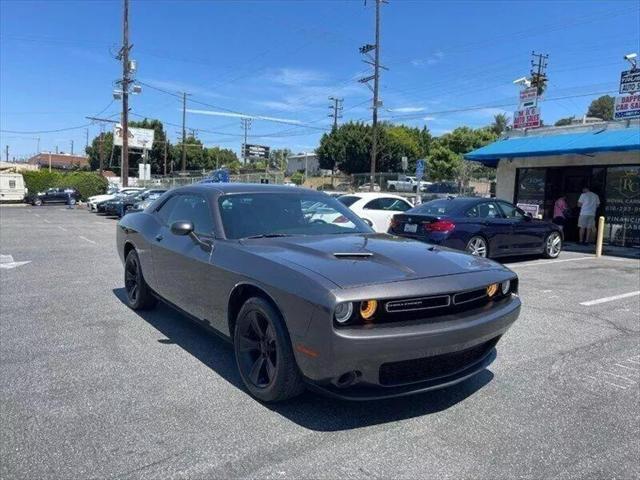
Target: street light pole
[(125, 96)]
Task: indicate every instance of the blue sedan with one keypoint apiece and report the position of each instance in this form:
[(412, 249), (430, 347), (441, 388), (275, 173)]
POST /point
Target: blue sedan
[(486, 227)]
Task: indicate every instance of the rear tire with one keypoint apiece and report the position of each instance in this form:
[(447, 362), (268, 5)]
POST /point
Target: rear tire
[(263, 353), (139, 296), (478, 247), (552, 245), (392, 188)]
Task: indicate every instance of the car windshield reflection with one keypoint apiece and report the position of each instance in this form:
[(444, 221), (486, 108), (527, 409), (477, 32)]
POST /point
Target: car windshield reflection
[(268, 215)]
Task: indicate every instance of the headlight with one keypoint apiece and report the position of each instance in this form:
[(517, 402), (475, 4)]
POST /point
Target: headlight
[(368, 308), (343, 312), (505, 286)]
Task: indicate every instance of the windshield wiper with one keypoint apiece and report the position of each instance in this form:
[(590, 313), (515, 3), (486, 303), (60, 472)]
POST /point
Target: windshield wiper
[(269, 235)]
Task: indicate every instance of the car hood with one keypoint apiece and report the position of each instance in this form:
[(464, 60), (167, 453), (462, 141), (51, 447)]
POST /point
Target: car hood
[(367, 259)]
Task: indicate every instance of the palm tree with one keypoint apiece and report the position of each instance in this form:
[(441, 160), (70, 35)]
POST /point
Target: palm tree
[(500, 122)]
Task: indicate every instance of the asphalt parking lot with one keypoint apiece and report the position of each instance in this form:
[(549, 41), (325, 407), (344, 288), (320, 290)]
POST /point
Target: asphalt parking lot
[(91, 389)]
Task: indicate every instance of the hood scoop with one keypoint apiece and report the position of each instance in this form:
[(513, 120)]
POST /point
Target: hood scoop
[(353, 254)]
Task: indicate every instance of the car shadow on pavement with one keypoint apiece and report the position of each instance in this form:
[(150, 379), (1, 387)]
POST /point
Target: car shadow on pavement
[(310, 410)]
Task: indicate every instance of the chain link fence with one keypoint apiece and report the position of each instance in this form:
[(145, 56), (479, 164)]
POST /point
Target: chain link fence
[(173, 181)]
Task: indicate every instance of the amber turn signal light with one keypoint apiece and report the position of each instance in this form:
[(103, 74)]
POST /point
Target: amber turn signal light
[(492, 289), (368, 308)]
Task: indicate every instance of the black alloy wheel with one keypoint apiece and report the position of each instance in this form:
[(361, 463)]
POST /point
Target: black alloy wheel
[(139, 296), (263, 353)]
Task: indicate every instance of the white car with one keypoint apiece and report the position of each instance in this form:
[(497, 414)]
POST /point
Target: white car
[(92, 202), (376, 208), (365, 187)]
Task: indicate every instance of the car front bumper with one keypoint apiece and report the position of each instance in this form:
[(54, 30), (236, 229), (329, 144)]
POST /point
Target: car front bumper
[(448, 351)]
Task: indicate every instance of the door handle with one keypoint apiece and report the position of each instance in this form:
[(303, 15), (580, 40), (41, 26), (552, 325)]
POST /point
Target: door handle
[(159, 238)]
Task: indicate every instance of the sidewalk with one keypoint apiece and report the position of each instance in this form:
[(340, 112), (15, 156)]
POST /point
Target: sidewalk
[(612, 250)]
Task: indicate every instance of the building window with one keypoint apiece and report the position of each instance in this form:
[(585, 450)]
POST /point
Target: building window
[(530, 188), (622, 205)]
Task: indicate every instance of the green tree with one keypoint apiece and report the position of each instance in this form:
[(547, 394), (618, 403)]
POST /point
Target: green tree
[(565, 121), (602, 107), (442, 163), (278, 158), (93, 151), (196, 158), (499, 125), (216, 157)]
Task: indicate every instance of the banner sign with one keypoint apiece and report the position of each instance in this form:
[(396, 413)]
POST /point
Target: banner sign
[(627, 106), (144, 171), (530, 208), (528, 97), (419, 169), (630, 81), (259, 151), (527, 118), (138, 137)]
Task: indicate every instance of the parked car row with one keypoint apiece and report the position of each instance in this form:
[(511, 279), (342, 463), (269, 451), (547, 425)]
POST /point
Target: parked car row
[(120, 202)]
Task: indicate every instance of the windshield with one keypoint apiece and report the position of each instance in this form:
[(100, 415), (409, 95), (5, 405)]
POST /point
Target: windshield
[(437, 208), (276, 214)]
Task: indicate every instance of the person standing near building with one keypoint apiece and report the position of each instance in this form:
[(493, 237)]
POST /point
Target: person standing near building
[(588, 203), (560, 211)]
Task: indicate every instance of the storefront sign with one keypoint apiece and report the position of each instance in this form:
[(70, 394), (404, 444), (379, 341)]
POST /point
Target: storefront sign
[(622, 209), (527, 118), (630, 81), (528, 97), (529, 208), (627, 106)]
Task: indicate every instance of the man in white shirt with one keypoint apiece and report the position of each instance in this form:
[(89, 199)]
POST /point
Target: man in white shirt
[(588, 203)]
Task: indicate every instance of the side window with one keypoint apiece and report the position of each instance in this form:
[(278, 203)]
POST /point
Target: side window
[(12, 184), (511, 211), (472, 212), (195, 209), (374, 205), (399, 206), (488, 210), (164, 211)]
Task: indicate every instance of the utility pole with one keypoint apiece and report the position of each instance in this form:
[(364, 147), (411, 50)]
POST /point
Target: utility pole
[(6, 152), (184, 132), (71, 147), (38, 147), (375, 63), (101, 152), (56, 149), (336, 108), (538, 71), (124, 53), (246, 125), (86, 142), (165, 156)]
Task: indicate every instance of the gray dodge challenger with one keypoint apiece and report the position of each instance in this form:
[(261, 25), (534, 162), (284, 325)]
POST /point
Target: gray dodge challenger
[(309, 295)]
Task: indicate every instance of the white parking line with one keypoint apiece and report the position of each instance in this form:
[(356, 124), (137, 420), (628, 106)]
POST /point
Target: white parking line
[(86, 239), (610, 299), (46, 221), (546, 262), (62, 228)]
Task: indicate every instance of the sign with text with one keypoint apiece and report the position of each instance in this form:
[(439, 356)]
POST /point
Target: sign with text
[(630, 81), (527, 118), (256, 151), (419, 169), (528, 97), (138, 137), (627, 106), (530, 208), (144, 171)]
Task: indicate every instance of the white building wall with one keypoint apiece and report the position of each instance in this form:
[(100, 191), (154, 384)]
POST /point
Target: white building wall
[(506, 171)]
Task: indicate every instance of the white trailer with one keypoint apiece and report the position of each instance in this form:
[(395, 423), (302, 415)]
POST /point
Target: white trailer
[(12, 187)]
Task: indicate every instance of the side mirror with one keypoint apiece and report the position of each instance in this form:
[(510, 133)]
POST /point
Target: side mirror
[(182, 227), (528, 217)]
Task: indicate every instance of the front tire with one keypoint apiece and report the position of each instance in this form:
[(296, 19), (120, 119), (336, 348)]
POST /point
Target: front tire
[(139, 296), (263, 353), (552, 245), (478, 247)]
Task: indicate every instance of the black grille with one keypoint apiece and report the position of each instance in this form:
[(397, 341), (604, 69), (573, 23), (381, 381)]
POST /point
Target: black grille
[(421, 369)]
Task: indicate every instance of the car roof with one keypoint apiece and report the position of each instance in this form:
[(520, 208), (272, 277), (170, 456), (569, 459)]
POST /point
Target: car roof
[(224, 188), (372, 195)]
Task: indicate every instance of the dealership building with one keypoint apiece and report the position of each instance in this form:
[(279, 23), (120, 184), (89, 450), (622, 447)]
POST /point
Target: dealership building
[(534, 167)]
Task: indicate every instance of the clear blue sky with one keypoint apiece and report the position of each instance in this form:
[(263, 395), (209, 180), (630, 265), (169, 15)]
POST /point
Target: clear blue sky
[(282, 59)]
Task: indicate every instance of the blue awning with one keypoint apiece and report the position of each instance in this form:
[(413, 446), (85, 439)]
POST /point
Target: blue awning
[(619, 140)]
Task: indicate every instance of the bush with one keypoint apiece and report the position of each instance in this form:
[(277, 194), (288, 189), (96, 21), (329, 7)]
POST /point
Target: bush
[(297, 178), (87, 183)]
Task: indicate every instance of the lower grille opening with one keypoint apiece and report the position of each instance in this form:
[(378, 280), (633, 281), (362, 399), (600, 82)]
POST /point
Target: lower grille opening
[(421, 369)]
